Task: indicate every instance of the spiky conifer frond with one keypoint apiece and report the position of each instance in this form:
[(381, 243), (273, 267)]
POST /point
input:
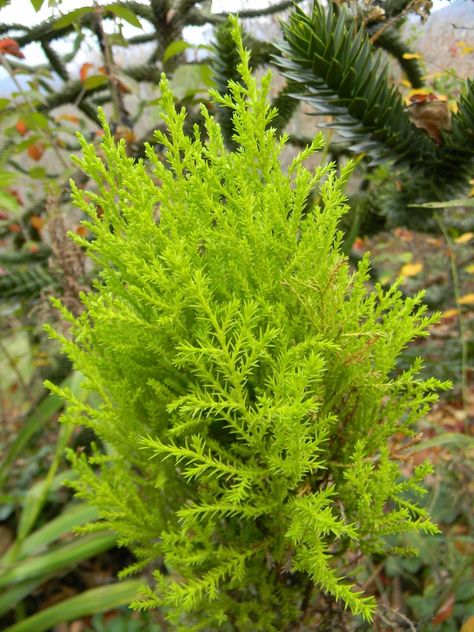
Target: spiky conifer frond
[(18, 257), (224, 62), (286, 104), (25, 284), (244, 371), (342, 76)]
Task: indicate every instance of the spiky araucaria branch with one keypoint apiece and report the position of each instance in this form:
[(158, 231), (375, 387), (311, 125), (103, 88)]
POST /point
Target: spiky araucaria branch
[(341, 75)]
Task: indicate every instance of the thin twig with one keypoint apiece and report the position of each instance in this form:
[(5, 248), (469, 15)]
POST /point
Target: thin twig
[(14, 368), (392, 21), (446, 70), (110, 69), (462, 328), (374, 575), (306, 599), (398, 615), (162, 621)]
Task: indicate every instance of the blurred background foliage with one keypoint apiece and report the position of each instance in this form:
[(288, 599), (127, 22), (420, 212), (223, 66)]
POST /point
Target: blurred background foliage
[(351, 66)]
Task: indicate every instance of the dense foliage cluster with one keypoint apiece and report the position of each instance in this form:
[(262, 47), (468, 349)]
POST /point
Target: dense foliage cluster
[(246, 375)]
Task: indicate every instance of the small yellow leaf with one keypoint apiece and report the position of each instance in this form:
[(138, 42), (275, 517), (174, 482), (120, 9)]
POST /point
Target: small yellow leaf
[(467, 299), (405, 83), (411, 269), (463, 239), (470, 268), (412, 56), (468, 626), (453, 106), (449, 313), (466, 50), (419, 91)]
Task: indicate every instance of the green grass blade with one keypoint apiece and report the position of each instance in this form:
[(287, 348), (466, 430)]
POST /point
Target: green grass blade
[(90, 602), (34, 502), (448, 204), (74, 515), (10, 597), (38, 494), (60, 558), (445, 440), (43, 412), (48, 407)]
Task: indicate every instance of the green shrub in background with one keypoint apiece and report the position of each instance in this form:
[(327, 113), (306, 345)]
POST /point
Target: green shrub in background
[(247, 377)]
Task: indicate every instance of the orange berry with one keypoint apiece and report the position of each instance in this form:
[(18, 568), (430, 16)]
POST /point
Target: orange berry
[(21, 127), (36, 151), (37, 222)]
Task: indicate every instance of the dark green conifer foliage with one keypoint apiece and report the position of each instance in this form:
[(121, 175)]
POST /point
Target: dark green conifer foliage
[(246, 376), (224, 62), (340, 74)]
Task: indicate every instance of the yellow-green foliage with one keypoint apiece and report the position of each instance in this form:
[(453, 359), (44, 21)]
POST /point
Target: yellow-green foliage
[(246, 376)]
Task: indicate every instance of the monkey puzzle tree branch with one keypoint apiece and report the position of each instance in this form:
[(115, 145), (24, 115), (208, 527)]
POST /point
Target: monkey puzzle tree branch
[(142, 39), (70, 94), (184, 6), (89, 110), (72, 90), (6, 28), (197, 18), (143, 72), (340, 75), (396, 17), (46, 30), (159, 9), (55, 61), (395, 7), (270, 10)]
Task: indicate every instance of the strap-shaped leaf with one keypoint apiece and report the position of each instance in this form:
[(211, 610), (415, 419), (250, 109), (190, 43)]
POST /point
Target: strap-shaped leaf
[(342, 75)]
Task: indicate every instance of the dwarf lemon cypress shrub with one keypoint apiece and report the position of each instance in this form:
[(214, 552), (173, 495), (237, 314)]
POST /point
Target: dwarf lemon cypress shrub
[(246, 377)]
